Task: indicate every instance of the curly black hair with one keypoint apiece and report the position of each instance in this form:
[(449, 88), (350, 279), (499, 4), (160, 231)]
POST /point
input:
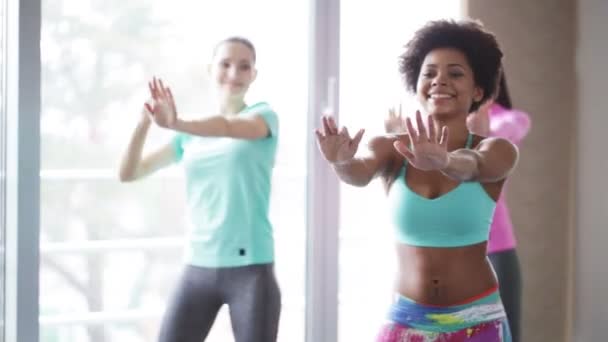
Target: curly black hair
[(470, 37)]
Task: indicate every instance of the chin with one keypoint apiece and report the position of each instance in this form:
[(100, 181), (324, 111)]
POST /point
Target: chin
[(445, 111), (231, 93)]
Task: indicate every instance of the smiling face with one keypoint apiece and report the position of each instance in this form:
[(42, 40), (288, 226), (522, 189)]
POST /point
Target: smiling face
[(233, 69), (446, 84)]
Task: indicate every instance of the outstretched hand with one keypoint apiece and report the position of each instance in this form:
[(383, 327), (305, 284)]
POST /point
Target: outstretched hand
[(162, 108), (428, 151), (479, 122), (394, 122), (337, 146)]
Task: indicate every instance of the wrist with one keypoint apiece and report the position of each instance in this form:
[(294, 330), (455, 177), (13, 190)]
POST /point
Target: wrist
[(447, 164), (144, 122), (177, 125), (339, 163)]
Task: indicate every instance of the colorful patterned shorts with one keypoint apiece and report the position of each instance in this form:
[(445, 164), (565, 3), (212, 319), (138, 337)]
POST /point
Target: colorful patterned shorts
[(482, 320)]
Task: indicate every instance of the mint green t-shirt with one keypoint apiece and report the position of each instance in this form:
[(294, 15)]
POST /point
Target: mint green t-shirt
[(228, 194)]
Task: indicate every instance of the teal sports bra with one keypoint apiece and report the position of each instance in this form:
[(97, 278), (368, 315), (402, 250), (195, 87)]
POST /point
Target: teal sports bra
[(460, 217)]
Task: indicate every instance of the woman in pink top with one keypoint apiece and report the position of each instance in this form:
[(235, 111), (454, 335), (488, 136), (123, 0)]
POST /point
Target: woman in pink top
[(498, 118)]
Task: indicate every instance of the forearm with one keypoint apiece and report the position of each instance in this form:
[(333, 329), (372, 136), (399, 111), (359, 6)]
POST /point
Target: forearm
[(356, 172), (463, 165), (214, 126), (132, 157)]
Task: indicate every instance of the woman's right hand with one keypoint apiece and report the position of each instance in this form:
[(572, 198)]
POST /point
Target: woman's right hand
[(162, 110), (337, 146)]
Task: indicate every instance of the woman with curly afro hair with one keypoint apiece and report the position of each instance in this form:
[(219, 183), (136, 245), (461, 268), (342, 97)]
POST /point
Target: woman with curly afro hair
[(442, 184)]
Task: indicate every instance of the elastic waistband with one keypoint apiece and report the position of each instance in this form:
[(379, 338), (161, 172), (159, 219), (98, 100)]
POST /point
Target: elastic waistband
[(485, 295), (484, 307)]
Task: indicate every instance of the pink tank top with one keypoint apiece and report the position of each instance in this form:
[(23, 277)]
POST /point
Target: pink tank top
[(512, 125)]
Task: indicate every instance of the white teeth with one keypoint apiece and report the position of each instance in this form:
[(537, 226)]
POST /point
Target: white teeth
[(440, 96)]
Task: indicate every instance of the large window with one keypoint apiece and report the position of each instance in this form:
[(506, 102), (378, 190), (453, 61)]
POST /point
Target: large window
[(110, 252), (369, 85)]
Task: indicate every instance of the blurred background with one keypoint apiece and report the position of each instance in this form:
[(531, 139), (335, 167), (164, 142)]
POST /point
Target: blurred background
[(87, 259)]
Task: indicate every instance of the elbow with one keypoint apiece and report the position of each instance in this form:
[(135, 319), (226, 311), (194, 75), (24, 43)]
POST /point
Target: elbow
[(362, 183), (244, 130), (356, 182), (125, 177)]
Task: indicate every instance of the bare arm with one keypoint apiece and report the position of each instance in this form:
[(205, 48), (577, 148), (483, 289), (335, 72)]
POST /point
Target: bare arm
[(339, 150), (132, 166), (251, 128), (360, 171), (491, 161), (164, 114)]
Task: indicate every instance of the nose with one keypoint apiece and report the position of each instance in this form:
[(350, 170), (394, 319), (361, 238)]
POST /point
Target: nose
[(233, 73), (439, 79)]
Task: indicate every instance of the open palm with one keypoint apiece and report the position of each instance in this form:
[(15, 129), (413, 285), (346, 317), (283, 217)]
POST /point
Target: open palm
[(427, 151), (337, 146), (162, 109)]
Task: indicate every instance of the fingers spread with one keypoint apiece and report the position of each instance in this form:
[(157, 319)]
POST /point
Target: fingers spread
[(357, 139), (444, 137), (332, 124), (344, 132), (326, 128), (421, 127), (432, 135), (411, 131), (320, 136)]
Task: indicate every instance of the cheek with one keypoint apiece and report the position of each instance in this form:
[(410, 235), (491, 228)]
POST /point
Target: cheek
[(421, 97), (216, 74), (422, 87), (247, 77), (421, 90)]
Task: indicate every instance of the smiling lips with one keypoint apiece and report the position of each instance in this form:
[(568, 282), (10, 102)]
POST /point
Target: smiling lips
[(438, 96), (234, 85)]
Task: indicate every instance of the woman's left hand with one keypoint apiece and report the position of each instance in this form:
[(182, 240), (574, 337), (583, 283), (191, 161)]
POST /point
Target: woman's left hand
[(394, 122), (479, 122), (428, 151), (162, 110)]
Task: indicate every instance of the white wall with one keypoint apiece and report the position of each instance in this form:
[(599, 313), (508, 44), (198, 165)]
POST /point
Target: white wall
[(591, 295)]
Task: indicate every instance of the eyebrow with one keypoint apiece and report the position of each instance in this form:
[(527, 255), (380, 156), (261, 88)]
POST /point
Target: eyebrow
[(449, 65), (242, 61)]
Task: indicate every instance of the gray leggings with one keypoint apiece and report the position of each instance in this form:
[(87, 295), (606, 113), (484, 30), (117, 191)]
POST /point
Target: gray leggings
[(506, 265), (252, 295)]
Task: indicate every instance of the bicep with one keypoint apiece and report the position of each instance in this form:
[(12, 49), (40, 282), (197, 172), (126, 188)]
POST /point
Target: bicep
[(254, 127), (497, 158), (156, 160)]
